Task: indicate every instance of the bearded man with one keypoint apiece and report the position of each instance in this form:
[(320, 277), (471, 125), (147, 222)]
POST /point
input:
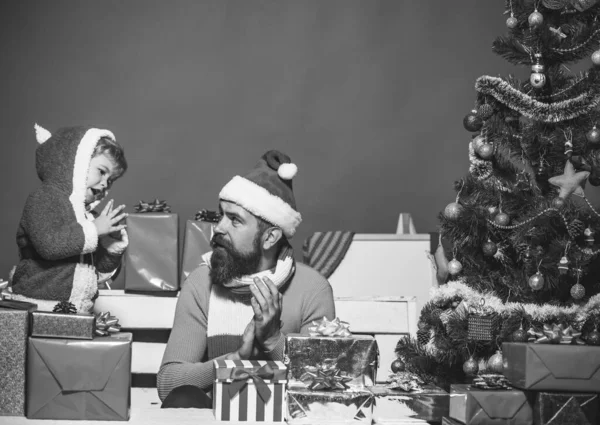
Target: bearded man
[(248, 293)]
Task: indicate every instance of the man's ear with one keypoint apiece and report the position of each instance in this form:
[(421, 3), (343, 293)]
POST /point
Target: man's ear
[(271, 237)]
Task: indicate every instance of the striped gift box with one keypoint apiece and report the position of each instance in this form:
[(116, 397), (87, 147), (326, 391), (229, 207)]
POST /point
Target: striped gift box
[(247, 404)]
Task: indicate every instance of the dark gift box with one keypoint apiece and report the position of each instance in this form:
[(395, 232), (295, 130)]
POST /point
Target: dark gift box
[(565, 409), (14, 327), (76, 379), (195, 244), (151, 262), (450, 421), (321, 407), (489, 407), (552, 367), (59, 325), (428, 405), (354, 357)]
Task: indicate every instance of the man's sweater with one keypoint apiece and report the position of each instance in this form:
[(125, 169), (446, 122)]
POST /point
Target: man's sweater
[(188, 359)]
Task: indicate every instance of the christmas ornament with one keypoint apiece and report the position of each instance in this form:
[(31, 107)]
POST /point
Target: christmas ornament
[(454, 267), (555, 4), (593, 136), (492, 211), (593, 338), (472, 122), (398, 366), (485, 111), (502, 219), (478, 141), (485, 151), (535, 19), (589, 236), (470, 367), (423, 336), (489, 248), (596, 58), (537, 77), (512, 22), (496, 363), (452, 210), (483, 366), (583, 5), (563, 266), (526, 255), (483, 323), (558, 203), (578, 291), (575, 228), (519, 335), (570, 181), (536, 282)]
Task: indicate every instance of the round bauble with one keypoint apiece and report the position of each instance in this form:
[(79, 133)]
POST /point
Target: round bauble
[(593, 136), (596, 58), (496, 363), (502, 219), (485, 151), (489, 248), (558, 203), (492, 211), (593, 338), (537, 80), (535, 19), (454, 267), (512, 22), (536, 282), (519, 335), (470, 367), (398, 366), (485, 111), (478, 141), (472, 122), (578, 291), (453, 210)]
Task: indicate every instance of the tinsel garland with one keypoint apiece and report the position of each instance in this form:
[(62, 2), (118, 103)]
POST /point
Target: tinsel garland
[(502, 91)]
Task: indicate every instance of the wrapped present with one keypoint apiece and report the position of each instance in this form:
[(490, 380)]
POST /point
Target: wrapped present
[(483, 322), (196, 243), (249, 390), (427, 404), (353, 356), (552, 367), (489, 407), (14, 327), (304, 406), (565, 409), (60, 325), (450, 421), (151, 260), (77, 379)]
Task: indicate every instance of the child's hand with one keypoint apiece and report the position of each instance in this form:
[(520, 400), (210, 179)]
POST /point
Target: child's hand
[(115, 244), (108, 220)]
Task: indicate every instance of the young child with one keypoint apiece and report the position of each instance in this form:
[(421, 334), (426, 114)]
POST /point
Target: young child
[(62, 245)]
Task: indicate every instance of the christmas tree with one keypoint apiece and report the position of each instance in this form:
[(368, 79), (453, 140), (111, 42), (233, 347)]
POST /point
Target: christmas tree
[(521, 257)]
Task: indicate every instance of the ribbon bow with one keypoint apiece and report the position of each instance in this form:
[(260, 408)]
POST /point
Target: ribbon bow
[(405, 381), (65, 307), (155, 206), (333, 328), (555, 334), (239, 376), (106, 324), (481, 309), (325, 377), (5, 291), (491, 381), (206, 215)]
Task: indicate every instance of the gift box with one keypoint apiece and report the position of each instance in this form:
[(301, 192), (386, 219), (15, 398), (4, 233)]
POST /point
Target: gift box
[(429, 404), (565, 409), (489, 407), (450, 421), (304, 406), (249, 390), (14, 327), (77, 379), (59, 325), (354, 357), (196, 243), (552, 367), (151, 261)]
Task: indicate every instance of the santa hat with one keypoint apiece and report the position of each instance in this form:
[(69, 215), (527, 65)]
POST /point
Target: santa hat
[(266, 191)]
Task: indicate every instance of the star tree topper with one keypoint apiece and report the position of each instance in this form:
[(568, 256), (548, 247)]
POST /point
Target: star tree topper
[(570, 182)]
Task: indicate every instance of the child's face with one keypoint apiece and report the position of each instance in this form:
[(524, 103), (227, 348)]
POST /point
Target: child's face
[(100, 176)]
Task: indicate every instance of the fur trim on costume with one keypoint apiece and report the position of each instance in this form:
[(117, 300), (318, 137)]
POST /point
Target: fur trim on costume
[(85, 286), (260, 202)]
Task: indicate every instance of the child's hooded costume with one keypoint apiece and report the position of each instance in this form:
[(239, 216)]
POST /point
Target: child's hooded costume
[(58, 243)]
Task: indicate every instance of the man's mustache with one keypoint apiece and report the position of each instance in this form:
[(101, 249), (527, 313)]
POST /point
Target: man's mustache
[(219, 241)]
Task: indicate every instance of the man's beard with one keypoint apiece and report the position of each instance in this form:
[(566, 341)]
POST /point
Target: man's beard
[(227, 263)]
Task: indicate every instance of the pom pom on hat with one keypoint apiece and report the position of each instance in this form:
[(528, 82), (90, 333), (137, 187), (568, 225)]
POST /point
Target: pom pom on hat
[(287, 171)]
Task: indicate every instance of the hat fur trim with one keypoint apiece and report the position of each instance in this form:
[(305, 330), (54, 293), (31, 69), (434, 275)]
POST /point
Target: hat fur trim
[(260, 202)]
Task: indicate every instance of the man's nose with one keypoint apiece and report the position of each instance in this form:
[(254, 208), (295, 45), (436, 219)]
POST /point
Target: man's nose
[(219, 226)]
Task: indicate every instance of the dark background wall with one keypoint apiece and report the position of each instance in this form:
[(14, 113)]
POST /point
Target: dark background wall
[(367, 97)]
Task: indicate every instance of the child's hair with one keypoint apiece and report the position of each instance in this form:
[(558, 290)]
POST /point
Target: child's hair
[(111, 148)]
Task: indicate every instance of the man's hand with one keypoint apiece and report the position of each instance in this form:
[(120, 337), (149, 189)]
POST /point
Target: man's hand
[(108, 220), (266, 302), (115, 243), (248, 348)]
